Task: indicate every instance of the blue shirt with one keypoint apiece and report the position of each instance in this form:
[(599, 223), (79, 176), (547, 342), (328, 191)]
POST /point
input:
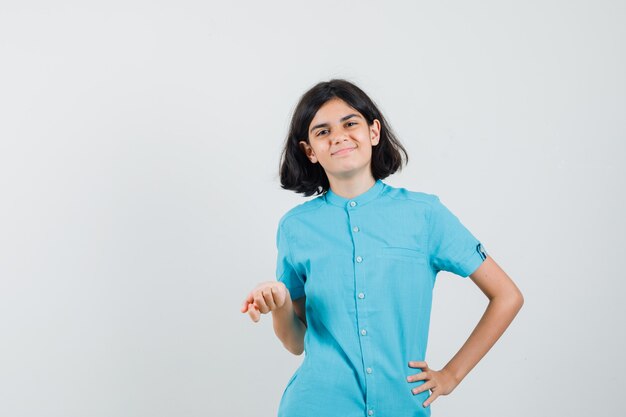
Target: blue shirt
[(367, 267)]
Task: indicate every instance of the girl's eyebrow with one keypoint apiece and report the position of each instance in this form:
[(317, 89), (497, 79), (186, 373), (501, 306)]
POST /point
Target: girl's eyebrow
[(340, 120)]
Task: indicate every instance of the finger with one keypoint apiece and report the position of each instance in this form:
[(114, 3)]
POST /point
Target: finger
[(419, 364), (430, 399), (423, 387), (269, 298), (280, 295), (259, 301), (417, 377), (257, 314), (248, 300), (254, 313)]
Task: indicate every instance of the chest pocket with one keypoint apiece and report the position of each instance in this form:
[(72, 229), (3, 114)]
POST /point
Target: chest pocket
[(400, 253)]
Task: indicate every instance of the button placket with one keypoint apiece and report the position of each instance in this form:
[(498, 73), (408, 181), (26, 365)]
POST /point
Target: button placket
[(360, 271)]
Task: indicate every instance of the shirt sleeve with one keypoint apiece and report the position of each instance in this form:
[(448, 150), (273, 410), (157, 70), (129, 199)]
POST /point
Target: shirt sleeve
[(285, 271), (452, 247)]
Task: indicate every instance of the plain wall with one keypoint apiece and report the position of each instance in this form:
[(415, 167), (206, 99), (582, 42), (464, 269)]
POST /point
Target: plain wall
[(139, 192)]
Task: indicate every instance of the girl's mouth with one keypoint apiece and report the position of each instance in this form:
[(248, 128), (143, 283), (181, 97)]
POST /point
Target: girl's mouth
[(344, 151)]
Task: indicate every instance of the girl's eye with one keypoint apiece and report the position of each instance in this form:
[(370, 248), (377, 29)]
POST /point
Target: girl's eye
[(325, 130)]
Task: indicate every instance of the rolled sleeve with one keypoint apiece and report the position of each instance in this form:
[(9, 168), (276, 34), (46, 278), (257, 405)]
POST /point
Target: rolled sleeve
[(452, 247)]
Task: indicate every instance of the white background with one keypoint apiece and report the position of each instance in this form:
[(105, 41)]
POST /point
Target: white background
[(139, 192)]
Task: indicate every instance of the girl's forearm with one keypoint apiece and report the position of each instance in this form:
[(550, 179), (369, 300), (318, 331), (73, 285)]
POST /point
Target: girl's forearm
[(499, 314), (289, 328)]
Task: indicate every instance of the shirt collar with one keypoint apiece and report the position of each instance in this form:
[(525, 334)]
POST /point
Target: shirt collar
[(363, 198)]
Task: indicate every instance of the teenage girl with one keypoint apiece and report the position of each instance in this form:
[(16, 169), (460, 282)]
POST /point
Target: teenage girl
[(356, 268)]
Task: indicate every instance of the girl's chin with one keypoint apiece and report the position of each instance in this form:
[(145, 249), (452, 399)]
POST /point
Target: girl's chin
[(344, 172)]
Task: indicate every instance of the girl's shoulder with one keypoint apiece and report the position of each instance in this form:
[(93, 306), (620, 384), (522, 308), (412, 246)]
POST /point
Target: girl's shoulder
[(401, 193), (302, 208), (432, 203)]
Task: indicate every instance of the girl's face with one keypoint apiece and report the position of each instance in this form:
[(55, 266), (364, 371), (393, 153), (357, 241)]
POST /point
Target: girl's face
[(341, 140)]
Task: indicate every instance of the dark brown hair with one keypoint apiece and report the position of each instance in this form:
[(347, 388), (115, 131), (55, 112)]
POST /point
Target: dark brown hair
[(299, 174)]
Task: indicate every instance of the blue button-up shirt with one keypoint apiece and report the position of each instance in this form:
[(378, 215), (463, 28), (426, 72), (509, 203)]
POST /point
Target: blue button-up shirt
[(367, 267)]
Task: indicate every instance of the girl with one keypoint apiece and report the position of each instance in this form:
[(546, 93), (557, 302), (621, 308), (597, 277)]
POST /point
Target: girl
[(356, 268)]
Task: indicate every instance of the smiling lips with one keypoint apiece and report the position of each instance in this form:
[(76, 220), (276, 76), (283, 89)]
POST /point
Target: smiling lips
[(343, 151)]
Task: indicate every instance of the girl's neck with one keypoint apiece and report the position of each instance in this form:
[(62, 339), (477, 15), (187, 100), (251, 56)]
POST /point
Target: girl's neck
[(352, 186)]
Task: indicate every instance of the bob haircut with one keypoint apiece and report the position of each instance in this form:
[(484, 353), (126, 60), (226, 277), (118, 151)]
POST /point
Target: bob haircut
[(299, 174)]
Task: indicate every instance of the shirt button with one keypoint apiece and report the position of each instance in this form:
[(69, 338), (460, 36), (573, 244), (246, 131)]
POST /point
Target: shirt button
[(361, 295), (355, 229), (370, 413), (368, 370), (363, 332), (359, 259), (352, 203)]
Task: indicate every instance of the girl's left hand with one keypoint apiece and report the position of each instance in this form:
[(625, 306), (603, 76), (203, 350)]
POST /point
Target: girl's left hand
[(439, 382)]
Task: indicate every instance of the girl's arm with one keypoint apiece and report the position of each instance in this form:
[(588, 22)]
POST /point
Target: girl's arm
[(505, 301), (288, 327), (289, 317)]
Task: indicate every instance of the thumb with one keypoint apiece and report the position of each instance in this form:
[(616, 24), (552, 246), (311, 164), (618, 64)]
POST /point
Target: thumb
[(254, 312)]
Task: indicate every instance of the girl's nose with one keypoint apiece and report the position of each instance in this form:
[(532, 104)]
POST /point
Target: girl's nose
[(340, 136)]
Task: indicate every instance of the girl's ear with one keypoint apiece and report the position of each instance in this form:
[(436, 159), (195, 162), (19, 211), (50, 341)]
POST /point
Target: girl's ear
[(375, 132), (308, 151)]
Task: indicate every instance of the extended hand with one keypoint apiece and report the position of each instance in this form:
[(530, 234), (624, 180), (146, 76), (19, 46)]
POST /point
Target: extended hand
[(439, 382), (267, 296)]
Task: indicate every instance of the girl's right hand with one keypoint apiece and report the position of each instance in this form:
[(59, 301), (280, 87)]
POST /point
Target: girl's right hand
[(265, 297)]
